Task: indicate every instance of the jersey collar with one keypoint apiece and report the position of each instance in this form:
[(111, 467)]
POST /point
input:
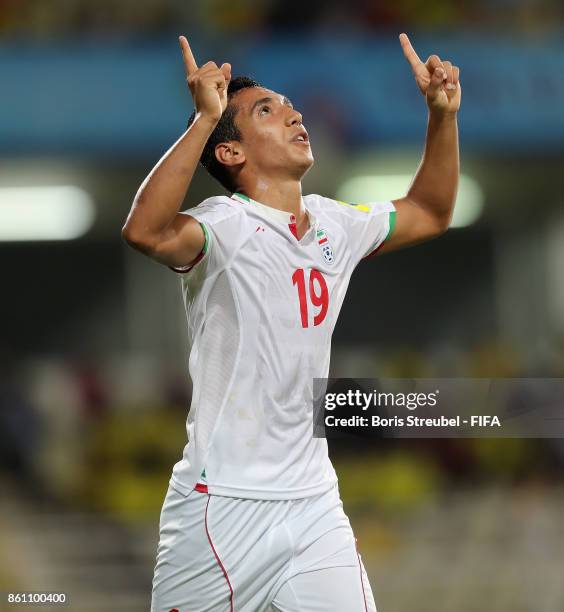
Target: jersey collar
[(275, 213)]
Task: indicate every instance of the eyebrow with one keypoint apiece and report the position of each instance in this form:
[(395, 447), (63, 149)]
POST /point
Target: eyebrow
[(266, 99)]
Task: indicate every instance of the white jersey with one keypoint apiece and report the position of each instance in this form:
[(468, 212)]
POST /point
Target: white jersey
[(261, 308)]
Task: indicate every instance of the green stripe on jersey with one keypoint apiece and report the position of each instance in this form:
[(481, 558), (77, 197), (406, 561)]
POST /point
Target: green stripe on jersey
[(392, 221), (206, 238), (240, 195)]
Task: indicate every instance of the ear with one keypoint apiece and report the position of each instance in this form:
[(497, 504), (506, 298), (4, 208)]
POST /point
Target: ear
[(230, 153)]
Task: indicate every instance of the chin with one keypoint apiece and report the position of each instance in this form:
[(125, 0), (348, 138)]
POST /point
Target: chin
[(310, 165), (302, 169), (305, 163)]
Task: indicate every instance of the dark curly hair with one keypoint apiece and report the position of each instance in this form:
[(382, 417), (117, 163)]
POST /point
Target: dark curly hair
[(224, 131)]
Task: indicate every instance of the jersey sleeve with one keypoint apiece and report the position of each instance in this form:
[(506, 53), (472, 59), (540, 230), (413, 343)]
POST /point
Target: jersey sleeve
[(212, 215), (367, 226)]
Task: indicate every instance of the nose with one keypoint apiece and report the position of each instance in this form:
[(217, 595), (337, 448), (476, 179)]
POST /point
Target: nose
[(294, 117)]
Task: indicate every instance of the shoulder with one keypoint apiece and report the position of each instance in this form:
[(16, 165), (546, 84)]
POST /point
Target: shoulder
[(317, 202), (217, 202), (322, 205), (215, 209), (338, 208)]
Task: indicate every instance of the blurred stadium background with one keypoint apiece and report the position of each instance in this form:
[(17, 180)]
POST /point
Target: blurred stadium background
[(93, 365)]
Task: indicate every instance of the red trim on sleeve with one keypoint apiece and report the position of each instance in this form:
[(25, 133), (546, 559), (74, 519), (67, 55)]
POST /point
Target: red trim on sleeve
[(188, 268), (372, 253)]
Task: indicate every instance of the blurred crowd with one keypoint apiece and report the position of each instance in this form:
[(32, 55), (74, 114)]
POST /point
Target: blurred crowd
[(86, 454), (54, 18), (104, 433)]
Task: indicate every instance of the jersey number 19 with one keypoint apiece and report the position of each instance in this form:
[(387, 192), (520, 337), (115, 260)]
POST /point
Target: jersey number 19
[(318, 294)]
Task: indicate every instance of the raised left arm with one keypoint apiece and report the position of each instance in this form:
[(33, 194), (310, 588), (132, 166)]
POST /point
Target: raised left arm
[(426, 210)]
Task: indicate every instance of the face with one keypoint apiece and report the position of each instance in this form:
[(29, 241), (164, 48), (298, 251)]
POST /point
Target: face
[(274, 142)]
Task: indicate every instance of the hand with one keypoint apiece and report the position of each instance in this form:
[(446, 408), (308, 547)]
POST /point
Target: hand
[(208, 84), (437, 79)]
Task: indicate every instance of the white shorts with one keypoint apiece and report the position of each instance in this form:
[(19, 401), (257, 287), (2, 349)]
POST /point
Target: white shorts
[(224, 554)]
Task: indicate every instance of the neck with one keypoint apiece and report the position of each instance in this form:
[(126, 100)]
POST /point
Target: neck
[(285, 196)]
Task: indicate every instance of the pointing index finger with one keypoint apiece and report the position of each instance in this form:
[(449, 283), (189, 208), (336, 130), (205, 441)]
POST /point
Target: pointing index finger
[(188, 56), (409, 52)]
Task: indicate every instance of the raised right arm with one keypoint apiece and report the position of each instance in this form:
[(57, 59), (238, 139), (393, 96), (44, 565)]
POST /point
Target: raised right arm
[(154, 225)]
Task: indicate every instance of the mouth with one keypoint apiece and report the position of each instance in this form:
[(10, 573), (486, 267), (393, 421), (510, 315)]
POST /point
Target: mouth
[(301, 138)]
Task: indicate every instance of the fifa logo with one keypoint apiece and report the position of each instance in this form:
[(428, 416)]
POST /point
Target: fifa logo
[(326, 248)]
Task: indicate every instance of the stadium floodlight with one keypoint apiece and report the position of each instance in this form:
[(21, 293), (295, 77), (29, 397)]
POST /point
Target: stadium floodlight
[(469, 201), (58, 212)]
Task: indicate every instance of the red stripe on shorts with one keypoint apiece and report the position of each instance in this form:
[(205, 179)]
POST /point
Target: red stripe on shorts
[(218, 559), (361, 580)]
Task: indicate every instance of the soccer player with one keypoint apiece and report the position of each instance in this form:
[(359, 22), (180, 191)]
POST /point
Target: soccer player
[(252, 519)]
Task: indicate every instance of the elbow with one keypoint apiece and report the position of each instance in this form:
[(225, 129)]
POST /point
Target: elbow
[(136, 239), (443, 220), (129, 236), (130, 232), (437, 214), (437, 226), (125, 234), (442, 225)]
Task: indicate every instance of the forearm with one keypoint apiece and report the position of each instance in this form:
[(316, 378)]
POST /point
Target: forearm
[(162, 193), (436, 181)]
